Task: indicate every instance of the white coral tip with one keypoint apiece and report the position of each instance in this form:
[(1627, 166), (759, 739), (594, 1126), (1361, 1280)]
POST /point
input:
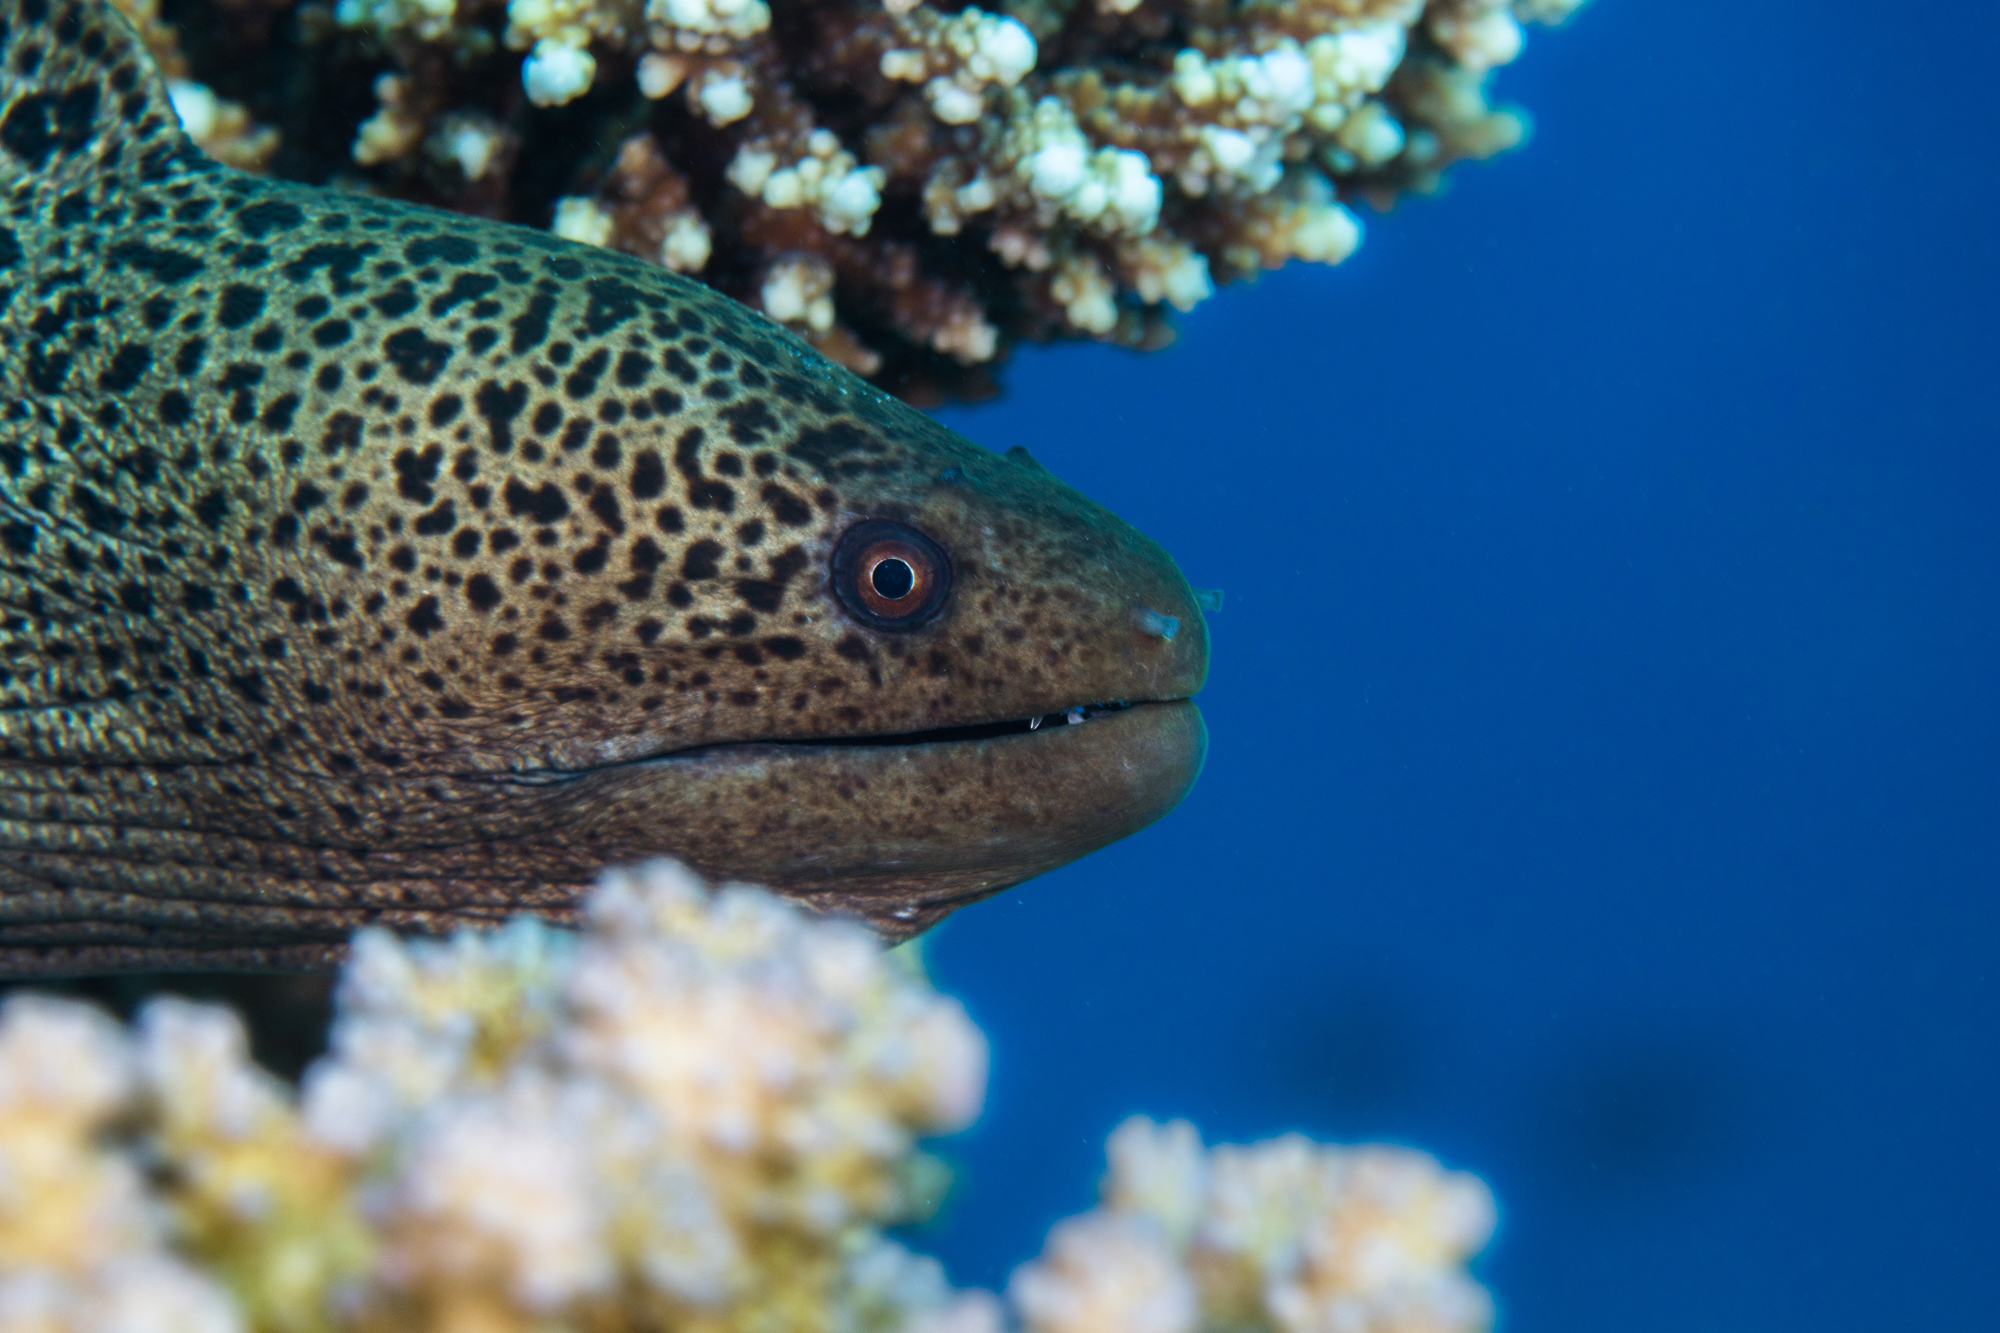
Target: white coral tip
[(1159, 1171), (852, 203), (687, 245), (582, 219), (660, 74), (952, 104), (1328, 234), (196, 106), (62, 1056), (1007, 48), (751, 168), (1105, 1271), (1136, 191), (726, 99), (1194, 81), (1057, 170), (555, 73)]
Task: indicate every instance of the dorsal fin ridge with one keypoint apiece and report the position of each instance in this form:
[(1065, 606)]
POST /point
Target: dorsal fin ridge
[(80, 96)]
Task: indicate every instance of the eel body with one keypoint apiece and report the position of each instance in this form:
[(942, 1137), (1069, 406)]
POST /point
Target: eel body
[(365, 564)]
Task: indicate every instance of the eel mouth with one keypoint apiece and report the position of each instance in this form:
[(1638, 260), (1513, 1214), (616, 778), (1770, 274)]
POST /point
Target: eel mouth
[(901, 829), (976, 731)]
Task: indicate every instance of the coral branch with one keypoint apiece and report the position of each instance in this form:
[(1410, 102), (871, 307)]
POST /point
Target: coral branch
[(698, 1114), (912, 187)]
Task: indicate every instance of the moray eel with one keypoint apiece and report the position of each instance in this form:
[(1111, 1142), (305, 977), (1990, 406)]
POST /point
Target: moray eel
[(368, 564)]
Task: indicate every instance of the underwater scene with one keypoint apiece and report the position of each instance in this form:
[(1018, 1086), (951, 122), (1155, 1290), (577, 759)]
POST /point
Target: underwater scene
[(1602, 791), (1393, 607)]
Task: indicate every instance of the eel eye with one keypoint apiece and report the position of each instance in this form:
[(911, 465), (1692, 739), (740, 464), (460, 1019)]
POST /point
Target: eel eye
[(890, 576)]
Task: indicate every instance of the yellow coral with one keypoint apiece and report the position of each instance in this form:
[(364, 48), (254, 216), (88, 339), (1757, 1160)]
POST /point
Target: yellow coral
[(82, 1241), (268, 1208), (1296, 1236), (697, 1115)]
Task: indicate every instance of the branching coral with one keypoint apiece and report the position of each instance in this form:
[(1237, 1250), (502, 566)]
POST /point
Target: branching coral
[(697, 1115), (1287, 1235), (947, 180)]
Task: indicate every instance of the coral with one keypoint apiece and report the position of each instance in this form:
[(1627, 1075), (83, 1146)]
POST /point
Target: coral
[(697, 1114), (1287, 1234), (83, 1243), (913, 188)]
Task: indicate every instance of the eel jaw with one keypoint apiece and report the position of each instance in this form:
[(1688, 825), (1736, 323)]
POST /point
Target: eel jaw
[(900, 831)]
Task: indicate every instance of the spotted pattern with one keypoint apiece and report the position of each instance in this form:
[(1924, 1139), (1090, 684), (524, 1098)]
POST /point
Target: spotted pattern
[(333, 530)]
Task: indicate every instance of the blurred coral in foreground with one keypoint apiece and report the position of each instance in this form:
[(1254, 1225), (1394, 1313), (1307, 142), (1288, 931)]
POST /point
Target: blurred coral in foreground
[(697, 1115), (911, 186)]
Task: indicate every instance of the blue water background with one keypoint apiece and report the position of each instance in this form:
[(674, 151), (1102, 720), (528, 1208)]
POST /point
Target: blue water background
[(1603, 789)]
